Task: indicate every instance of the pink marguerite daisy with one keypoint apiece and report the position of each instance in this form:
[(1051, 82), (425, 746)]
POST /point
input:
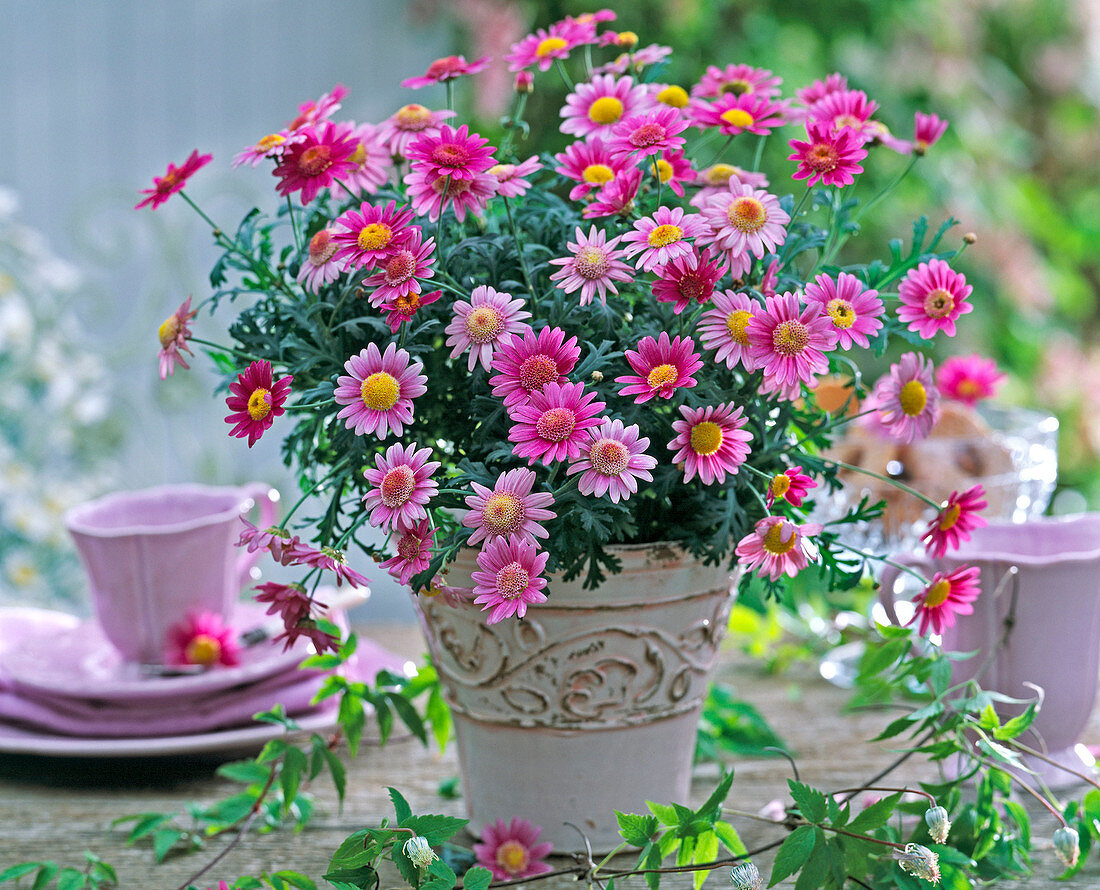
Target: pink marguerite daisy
[(312, 112), (648, 134), (414, 551), (315, 159), (490, 319), (688, 279), (458, 154), (846, 108), (637, 61), (663, 237), (320, 267), (932, 297), (402, 269), (660, 367), (370, 233), (174, 179), (331, 560), (593, 108), (906, 400), (203, 639), (613, 461), (378, 391), (827, 155), (927, 130), (954, 522), (173, 334), (732, 114), (430, 195), (402, 309), (275, 540), (510, 577), (968, 378), (527, 363), (724, 328), (512, 178), (672, 169), (717, 179), (407, 124), (788, 342), (737, 80), (710, 442), (255, 400), (593, 268), (590, 164), (947, 595), (511, 850), (442, 70), (551, 426), (617, 197), (371, 159), (745, 219), (402, 486), (791, 485), (511, 507), (544, 46), (819, 89), (776, 547), (271, 146), (289, 601), (856, 312)]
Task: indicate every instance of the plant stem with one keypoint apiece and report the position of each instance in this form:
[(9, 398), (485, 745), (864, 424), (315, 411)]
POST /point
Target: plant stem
[(759, 152), (450, 87), (519, 252), (293, 225), (564, 76), (221, 348), (720, 151), (909, 570), (339, 465), (901, 485)]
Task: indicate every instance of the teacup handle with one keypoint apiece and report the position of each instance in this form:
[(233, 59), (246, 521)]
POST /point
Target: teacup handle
[(264, 498), (890, 575)]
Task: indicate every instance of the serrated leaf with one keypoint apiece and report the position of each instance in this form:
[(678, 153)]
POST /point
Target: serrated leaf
[(477, 878), (793, 853), (363, 878), (401, 808), (408, 715), (443, 871), (435, 828), (810, 801), (338, 770), (295, 763), (247, 771), (164, 840), (874, 816), (636, 830), (17, 871), (45, 876), (147, 824), (405, 865), (666, 814), (1017, 725), (817, 867), (730, 839), (706, 850), (712, 807), (296, 879), (439, 716), (70, 879)]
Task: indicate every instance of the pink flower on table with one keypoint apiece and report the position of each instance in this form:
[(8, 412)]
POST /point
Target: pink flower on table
[(511, 178), (957, 518), (315, 159), (255, 400), (543, 47), (788, 342), (968, 378), (932, 297), (593, 108), (447, 68), (203, 639), (458, 154), (414, 551), (174, 179), (717, 179), (271, 146), (776, 547), (947, 595), (673, 169), (737, 80), (509, 580), (828, 156), (710, 442), (173, 334), (407, 124), (731, 114), (613, 461), (370, 233), (648, 134), (846, 108), (378, 391), (856, 312), (688, 279), (319, 268), (791, 486), (402, 486), (663, 237), (402, 309), (590, 164), (526, 364), (724, 328), (617, 197), (430, 195), (371, 157), (311, 112), (927, 130), (511, 507), (401, 269), (593, 268), (510, 850), (490, 319), (660, 367), (907, 401), (745, 219), (819, 89), (551, 426)]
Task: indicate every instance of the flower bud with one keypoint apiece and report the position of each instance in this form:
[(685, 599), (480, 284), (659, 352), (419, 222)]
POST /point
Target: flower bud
[(919, 861), (970, 238), (525, 82), (746, 876), (938, 824), (1067, 845), (626, 39), (596, 377), (419, 851)]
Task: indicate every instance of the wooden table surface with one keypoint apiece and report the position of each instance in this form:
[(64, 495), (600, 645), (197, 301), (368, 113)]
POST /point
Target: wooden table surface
[(48, 812)]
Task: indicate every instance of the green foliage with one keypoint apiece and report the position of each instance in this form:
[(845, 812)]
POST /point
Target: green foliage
[(92, 875)]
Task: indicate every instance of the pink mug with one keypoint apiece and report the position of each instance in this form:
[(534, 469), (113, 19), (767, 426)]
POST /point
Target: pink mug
[(155, 556), (1054, 641)]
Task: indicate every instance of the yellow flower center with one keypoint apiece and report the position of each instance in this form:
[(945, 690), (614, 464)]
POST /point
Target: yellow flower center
[(484, 324), (675, 96), (598, 174), (375, 236), (969, 388), (663, 169), (407, 304), (169, 330), (706, 438), (269, 142), (790, 338), (737, 87), (747, 214), (503, 513), (719, 174), (550, 45), (781, 484), (913, 397), (775, 543), (259, 404), (736, 322), (841, 312), (738, 117), (605, 110), (662, 236), (950, 517), (413, 117), (937, 594), (502, 171), (626, 39), (512, 855), (204, 650), (609, 457), (938, 303), (662, 376), (380, 391), (359, 155)]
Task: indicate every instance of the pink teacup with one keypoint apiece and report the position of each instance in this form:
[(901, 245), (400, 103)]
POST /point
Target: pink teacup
[(155, 556)]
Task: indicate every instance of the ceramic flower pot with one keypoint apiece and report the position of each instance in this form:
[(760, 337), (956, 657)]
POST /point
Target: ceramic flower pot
[(590, 703)]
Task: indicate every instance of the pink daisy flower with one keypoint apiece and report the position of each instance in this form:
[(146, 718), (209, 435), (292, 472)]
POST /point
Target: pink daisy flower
[(402, 309), (957, 518), (745, 219), (932, 296), (488, 320), (414, 551), (791, 485), (407, 124), (648, 134), (724, 328), (370, 233), (511, 507), (402, 486), (319, 267), (551, 426), (511, 178), (255, 401), (966, 378), (311, 112), (617, 197), (458, 154), (879, 134), (379, 391), (927, 130), (829, 156), (447, 68), (732, 114), (737, 80), (510, 850), (315, 159), (593, 108), (430, 194), (544, 46), (528, 362), (819, 89), (289, 601), (371, 159), (204, 640), (593, 268), (275, 540), (402, 269), (271, 146), (660, 368), (946, 596), (662, 237), (776, 547), (509, 580), (638, 60), (331, 560), (613, 461), (174, 179), (590, 164), (788, 342), (907, 401), (711, 442), (770, 281), (687, 279), (856, 313), (673, 169), (717, 178), (173, 333), (847, 108)]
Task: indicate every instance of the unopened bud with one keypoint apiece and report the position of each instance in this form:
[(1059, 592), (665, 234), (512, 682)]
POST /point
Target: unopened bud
[(628, 317), (596, 377), (970, 238), (746, 876), (1067, 845), (938, 824), (419, 851), (626, 39), (525, 82)]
